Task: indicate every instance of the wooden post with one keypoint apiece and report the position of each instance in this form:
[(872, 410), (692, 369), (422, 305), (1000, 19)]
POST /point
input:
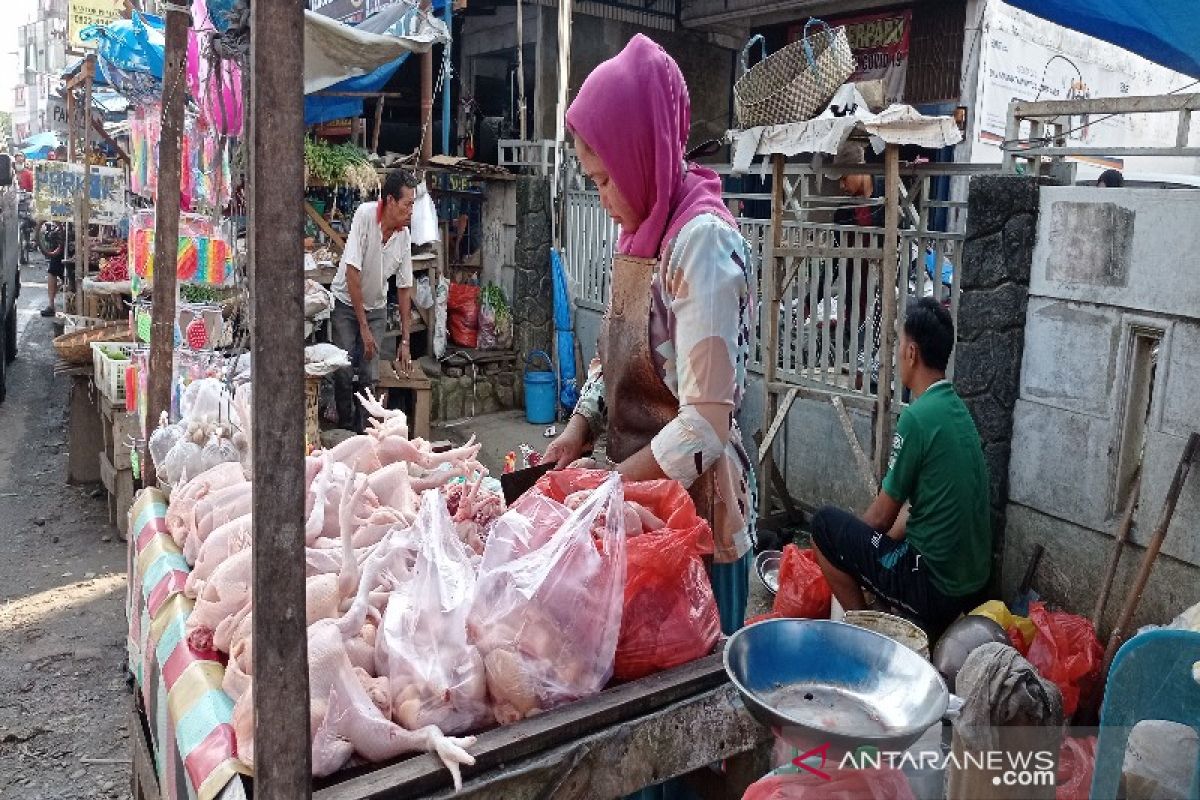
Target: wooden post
[(378, 124), (770, 287), (82, 259), (276, 191), (426, 96), (166, 216), (887, 293)]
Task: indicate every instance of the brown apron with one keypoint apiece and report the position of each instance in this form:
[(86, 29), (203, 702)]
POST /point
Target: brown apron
[(638, 401)]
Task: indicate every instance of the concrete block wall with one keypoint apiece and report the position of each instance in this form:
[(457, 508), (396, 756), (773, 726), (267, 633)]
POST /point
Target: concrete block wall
[(1107, 263)]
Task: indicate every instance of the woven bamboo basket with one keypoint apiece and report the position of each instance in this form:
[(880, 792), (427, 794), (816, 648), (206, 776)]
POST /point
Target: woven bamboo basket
[(796, 83), (76, 347)]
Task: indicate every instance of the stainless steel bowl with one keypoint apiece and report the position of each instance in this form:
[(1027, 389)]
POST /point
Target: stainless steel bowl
[(766, 566), (817, 681)]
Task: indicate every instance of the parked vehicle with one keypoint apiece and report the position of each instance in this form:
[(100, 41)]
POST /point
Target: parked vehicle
[(10, 270)]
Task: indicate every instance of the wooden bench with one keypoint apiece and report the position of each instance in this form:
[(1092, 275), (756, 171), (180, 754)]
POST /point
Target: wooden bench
[(421, 387)]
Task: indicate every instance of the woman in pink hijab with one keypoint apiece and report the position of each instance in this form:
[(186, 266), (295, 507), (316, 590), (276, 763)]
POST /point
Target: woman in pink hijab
[(670, 370)]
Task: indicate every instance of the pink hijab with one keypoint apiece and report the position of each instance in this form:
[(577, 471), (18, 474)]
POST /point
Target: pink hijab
[(633, 110)]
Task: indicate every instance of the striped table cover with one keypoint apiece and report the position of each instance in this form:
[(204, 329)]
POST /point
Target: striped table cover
[(188, 713)]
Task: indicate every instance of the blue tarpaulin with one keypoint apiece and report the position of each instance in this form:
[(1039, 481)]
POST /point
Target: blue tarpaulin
[(40, 144), (320, 108), (1166, 32), (564, 336)]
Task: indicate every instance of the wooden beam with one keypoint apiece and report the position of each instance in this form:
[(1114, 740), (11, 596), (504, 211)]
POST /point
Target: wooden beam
[(828, 252), (283, 769), (887, 293), (1131, 104), (776, 424), (416, 775), (166, 220), (99, 127), (860, 458), (324, 225)]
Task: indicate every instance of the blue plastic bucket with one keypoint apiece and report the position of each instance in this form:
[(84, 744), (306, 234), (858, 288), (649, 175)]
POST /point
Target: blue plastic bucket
[(541, 388)]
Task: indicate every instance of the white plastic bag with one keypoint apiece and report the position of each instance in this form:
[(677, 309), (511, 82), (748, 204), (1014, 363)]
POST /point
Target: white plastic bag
[(217, 451), (423, 293), (441, 298), (548, 602), (424, 225), (436, 676)]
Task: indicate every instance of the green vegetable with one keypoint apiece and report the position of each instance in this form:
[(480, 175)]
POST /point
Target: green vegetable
[(339, 165)]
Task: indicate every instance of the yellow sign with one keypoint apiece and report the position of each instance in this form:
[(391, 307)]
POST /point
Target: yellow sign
[(82, 13)]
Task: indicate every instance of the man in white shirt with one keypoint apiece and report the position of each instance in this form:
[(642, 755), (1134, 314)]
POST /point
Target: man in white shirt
[(377, 248)]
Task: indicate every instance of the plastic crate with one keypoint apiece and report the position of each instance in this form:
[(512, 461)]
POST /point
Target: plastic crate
[(109, 373)]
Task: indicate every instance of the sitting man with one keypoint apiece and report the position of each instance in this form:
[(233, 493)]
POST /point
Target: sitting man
[(930, 560)]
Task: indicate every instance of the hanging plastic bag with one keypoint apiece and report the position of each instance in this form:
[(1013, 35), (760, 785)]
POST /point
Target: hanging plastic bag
[(218, 451), (423, 293), (1076, 763), (803, 590), (439, 317), (463, 314), (547, 610), (850, 784), (436, 674), (1067, 652), (424, 225)]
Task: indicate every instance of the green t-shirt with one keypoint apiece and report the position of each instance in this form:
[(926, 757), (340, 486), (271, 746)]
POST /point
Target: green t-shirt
[(937, 467)]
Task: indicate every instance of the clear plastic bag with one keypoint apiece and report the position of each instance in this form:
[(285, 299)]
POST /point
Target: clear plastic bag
[(437, 676), (162, 440), (206, 400), (547, 610), (183, 462), (217, 451)]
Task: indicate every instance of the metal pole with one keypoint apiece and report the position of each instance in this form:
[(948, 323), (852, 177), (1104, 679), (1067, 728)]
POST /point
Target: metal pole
[(521, 70), (282, 759), (448, 17), (427, 97), (166, 216)]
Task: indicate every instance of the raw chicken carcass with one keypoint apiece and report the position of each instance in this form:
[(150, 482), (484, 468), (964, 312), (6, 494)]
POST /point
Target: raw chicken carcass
[(214, 511), (219, 547), (180, 518)]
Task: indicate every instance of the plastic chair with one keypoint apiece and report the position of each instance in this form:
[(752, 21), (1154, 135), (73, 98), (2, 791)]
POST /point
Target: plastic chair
[(1151, 678)]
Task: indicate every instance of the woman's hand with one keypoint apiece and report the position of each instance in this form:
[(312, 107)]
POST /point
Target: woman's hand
[(569, 446)]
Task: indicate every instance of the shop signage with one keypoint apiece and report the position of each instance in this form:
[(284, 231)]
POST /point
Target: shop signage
[(82, 13), (880, 46), (56, 185)]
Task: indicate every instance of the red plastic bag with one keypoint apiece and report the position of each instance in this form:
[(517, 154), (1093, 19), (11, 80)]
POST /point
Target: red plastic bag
[(1066, 652), (669, 615), (803, 590), (1076, 762), (851, 784), (462, 314)]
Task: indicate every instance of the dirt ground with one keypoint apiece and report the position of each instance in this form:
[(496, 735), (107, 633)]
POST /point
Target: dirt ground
[(64, 702)]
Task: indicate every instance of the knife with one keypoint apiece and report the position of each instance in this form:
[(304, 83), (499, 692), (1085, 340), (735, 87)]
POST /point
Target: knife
[(516, 483)]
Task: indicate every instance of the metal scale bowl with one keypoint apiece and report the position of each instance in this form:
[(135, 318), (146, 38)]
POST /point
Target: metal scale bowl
[(818, 681)]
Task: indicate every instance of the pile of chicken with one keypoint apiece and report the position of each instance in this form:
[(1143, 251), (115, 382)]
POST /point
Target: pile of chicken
[(379, 544)]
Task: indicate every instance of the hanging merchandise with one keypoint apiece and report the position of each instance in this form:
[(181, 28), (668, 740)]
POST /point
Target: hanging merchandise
[(424, 225), (205, 257), (216, 83), (130, 55), (205, 179), (441, 296)]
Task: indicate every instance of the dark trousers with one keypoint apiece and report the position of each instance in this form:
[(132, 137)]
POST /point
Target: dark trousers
[(361, 373)]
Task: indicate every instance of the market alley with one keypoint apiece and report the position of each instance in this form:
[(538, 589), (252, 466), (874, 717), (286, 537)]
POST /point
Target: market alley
[(64, 702)]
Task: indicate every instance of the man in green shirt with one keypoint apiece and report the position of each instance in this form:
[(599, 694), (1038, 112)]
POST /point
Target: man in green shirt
[(924, 546)]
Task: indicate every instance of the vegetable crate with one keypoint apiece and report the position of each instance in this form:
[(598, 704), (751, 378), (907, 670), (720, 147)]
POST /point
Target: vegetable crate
[(109, 371)]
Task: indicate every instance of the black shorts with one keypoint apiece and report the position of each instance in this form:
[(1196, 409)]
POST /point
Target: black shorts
[(891, 570), (57, 267)]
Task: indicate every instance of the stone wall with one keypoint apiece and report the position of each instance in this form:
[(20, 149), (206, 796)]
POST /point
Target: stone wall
[(994, 274), (462, 391), (533, 290)]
